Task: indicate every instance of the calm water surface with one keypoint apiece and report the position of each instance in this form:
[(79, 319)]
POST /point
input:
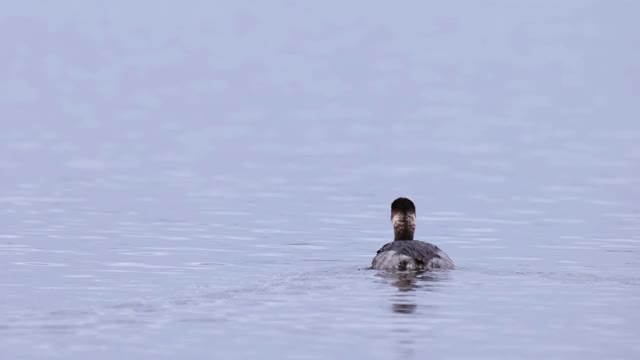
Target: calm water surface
[(211, 180)]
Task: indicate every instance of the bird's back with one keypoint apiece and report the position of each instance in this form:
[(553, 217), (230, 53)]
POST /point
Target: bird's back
[(411, 255)]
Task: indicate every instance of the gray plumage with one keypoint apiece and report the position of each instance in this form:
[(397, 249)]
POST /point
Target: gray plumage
[(411, 255), (419, 250)]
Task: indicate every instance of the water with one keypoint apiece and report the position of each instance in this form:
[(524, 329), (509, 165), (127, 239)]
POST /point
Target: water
[(211, 180)]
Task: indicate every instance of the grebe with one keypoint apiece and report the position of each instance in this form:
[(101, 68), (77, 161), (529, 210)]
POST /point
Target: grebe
[(404, 253)]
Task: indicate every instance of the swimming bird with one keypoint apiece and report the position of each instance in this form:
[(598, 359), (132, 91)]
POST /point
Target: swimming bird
[(404, 253)]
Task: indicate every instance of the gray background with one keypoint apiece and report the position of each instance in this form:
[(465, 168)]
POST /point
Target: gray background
[(212, 179)]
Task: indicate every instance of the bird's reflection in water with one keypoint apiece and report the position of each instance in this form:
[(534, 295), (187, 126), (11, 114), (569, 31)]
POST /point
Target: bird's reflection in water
[(403, 302), (403, 308), (409, 327), (409, 330)]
